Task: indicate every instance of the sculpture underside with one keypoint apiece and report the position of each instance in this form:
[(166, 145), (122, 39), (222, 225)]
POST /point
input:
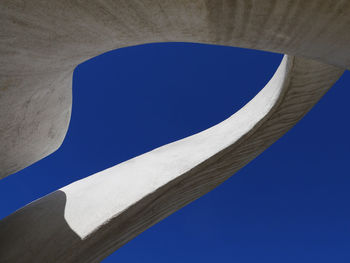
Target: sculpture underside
[(43, 41)]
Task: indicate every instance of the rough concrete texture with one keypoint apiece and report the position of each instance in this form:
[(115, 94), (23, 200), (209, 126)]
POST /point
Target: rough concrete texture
[(43, 41)]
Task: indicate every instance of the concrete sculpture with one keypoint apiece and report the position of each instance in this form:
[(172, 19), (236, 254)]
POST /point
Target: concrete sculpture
[(43, 41)]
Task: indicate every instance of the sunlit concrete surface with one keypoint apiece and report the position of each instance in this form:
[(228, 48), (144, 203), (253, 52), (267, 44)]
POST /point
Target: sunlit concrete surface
[(43, 41)]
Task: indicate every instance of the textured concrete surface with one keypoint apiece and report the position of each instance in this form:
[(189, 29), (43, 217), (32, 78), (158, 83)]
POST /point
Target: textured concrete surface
[(42, 42), (89, 219)]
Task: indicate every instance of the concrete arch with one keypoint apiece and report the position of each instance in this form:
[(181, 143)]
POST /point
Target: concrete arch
[(43, 42), (102, 212)]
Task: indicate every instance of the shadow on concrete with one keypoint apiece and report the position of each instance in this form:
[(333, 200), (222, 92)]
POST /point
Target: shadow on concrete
[(37, 232)]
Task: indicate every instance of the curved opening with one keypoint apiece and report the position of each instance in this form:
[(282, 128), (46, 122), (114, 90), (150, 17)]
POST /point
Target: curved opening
[(154, 94), (216, 18), (150, 115), (86, 165), (149, 95), (127, 183)]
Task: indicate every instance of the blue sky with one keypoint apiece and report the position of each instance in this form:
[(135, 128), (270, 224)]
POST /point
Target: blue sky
[(291, 204)]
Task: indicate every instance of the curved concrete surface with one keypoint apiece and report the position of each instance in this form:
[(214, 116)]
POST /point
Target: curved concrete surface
[(42, 42), (89, 219)]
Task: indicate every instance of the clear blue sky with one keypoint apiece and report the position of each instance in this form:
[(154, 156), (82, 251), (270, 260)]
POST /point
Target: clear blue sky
[(291, 204)]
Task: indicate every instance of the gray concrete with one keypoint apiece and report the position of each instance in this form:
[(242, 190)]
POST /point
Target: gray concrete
[(43, 41)]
